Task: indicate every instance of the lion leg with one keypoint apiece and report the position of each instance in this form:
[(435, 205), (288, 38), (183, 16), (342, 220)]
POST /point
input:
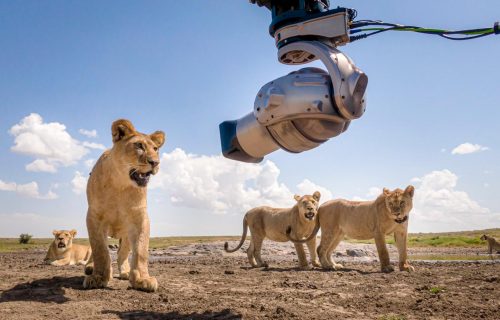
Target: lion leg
[(123, 253), (257, 248), (250, 253), (61, 262), (139, 239), (101, 270), (89, 266), (383, 254), (400, 237), (301, 254), (311, 245), (329, 251)]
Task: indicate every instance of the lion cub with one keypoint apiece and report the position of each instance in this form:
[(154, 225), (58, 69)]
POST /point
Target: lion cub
[(493, 245), (363, 220), (272, 223), (63, 252), (117, 198)]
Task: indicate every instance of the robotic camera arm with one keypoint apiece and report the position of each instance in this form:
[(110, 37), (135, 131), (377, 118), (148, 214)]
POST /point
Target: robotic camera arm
[(301, 110)]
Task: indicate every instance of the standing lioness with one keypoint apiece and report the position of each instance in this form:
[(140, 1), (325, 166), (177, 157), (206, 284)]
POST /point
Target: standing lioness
[(272, 223), (363, 220), (116, 194)]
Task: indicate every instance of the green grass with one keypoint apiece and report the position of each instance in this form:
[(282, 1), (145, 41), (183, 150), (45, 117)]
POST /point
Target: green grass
[(445, 239), (452, 257), (12, 244), (436, 290)]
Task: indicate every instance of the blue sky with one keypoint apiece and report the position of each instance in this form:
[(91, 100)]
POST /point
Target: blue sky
[(68, 66)]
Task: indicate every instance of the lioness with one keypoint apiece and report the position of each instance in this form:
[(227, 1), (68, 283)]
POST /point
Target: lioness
[(364, 220), (492, 243), (267, 222), (116, 194), (63, 252)]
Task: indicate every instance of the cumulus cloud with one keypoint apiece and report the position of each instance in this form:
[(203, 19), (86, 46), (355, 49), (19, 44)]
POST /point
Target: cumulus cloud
[(29, 190), (79, 183), (439, 205), (49, 143), (219, 185), (309, 187), (93, 145), (88, 133), (467, 148)]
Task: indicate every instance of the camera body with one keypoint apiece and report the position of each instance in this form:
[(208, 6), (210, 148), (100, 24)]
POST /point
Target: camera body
[(301, 110)]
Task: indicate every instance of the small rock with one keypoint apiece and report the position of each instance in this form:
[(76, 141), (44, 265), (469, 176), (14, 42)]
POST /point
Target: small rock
[(194, 272), (229, 272)]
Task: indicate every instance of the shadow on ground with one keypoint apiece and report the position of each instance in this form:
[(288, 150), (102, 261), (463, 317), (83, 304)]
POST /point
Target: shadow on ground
[(225, 314), (48, 290)]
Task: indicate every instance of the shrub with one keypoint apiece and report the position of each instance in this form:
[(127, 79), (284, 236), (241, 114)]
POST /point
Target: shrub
[(25, 238)]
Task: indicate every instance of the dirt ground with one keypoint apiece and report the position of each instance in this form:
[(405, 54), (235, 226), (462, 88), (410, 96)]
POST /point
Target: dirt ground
[(202, 282)]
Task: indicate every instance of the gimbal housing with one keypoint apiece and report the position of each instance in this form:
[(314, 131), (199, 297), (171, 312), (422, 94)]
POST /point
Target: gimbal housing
[(305, 108)]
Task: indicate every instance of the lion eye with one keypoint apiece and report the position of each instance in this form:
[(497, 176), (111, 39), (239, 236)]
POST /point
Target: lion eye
[(139, 145), (155, 148)]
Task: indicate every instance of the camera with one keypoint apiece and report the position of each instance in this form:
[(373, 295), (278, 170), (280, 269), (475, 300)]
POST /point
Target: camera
[(301, 110)]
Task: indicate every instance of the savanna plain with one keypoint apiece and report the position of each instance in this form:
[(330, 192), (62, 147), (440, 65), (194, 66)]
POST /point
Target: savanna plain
[(455, 278)]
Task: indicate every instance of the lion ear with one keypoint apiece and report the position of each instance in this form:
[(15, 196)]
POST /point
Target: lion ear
[(387, 191), (73, 232), (121, 128), (158, 138), (296, 197), (410, 190), (55, 233), (316, 195)]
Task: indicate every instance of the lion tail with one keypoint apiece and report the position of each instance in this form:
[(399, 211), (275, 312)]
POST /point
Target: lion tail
[(311, 236), (243, 237)]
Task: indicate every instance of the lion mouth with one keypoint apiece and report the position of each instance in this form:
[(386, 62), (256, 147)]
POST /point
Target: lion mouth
[(61, 245), (401, 220), (140, 178), (309, 215)]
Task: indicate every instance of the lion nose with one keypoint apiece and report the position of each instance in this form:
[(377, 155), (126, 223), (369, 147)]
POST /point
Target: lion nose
[(310, 208), (60, 239), (153, 163)]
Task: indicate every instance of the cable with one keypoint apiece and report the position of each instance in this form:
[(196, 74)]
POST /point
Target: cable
[(358, 26)]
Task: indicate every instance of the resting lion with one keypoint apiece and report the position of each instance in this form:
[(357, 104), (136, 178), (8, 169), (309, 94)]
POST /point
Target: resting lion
[(365, 220), (493, 245), (116, 194), (267, 222), (63, 252)]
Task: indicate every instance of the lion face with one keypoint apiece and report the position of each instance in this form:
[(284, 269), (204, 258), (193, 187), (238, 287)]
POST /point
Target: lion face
[(64, 239), (399, 203), (484, 237), (308, 206), (139, 152)]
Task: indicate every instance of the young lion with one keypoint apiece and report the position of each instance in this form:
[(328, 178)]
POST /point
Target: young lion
[(63, 252), (493, 245), (116, 194), (272, 223), (365, 220)]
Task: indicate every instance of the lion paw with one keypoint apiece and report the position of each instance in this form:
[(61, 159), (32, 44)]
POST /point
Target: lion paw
[(149, 284), (124, 275), (316, 263), (305, 267), (338, 266), (407, 267), (94, 282), (387, 269)]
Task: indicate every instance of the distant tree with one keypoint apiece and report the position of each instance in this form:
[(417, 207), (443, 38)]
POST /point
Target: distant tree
[(25, 238)]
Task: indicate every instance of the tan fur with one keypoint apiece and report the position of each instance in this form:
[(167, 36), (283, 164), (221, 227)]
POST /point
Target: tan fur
[(365, 220), (272, 223), (63, 252), (493, 244), (117, 207)]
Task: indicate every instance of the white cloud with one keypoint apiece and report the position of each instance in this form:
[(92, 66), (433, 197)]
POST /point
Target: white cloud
[(219, 185), (467, 148), (88, 133), (93, 145), (439, 206), (308, 187), (41, 165), (29, 190), (89, 163), (79, 183), (49, 143)]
